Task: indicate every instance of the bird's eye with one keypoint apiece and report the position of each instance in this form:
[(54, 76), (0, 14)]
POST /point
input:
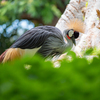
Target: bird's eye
[(70, 33)]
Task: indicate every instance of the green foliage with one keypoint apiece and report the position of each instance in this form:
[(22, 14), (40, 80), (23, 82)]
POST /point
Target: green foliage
[(39, 9), (88, 51), (75, 80)]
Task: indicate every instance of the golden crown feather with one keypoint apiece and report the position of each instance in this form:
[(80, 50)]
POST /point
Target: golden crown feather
[(76, 25)]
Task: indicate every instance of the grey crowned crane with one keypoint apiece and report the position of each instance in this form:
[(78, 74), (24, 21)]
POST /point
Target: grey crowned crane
[(45, 40)]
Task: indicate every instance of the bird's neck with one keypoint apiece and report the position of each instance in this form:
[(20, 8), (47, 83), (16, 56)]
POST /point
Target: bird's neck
[(68, 43)]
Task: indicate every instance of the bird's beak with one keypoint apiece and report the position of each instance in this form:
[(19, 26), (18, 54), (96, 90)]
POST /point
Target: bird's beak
[(73, 40)]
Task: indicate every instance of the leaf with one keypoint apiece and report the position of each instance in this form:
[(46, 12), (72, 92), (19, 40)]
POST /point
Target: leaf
[(74, 80), (89, 51), (72, 54), (56, 11), (3, 11), (47, 15)]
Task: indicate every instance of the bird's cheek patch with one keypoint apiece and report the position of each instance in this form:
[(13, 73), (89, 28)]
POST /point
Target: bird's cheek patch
[(68, 37)]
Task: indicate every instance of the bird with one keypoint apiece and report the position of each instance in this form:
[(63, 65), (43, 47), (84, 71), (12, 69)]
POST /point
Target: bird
[(47, 41)]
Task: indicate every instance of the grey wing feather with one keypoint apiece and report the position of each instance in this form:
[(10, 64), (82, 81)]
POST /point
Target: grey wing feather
[(35, 37), (52, 47), (30, 40)]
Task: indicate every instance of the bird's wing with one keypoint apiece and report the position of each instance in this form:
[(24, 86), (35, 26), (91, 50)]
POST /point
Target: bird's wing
[(33, 38)]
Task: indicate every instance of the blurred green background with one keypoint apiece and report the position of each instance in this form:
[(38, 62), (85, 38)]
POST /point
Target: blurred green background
[(74, 80), (17, 16)]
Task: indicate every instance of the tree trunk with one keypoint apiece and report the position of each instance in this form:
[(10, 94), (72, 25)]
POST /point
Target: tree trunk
[(73, 10), (91, 38)]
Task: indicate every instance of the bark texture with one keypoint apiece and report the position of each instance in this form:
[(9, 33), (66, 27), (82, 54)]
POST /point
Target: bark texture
[(91, 38), (73, 10)]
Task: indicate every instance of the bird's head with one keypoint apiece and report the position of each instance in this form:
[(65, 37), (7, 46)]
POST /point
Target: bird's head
[(71, 35), (74, 27)]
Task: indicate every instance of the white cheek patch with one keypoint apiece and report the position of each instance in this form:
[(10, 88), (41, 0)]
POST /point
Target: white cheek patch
[(71, 32)]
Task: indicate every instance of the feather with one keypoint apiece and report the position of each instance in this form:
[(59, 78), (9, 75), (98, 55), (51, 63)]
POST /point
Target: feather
[(2, 56), (36, 37), (76, 24), (13, 53)]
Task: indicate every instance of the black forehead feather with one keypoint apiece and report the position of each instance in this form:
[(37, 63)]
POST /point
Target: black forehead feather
[(76, 34)]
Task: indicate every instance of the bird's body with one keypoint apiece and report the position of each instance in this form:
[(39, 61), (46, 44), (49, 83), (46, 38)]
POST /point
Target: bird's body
[(45, 40)]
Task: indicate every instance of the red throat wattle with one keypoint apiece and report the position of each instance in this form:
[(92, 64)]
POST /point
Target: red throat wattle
[(68, 37)]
